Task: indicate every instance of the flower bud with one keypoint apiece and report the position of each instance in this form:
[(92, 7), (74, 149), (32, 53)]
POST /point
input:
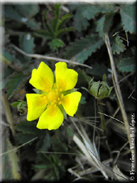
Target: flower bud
[(99, 89)]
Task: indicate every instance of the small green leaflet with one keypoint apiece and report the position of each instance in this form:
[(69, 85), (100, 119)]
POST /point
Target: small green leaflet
[(127, 64)]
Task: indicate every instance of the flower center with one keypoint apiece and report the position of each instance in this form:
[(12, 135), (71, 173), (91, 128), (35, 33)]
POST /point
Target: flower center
[(55, 97), (52, 96)]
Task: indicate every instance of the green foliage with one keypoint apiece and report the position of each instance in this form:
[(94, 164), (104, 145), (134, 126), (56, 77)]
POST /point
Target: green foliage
[(23, 14), (99, 70), (15, 82), (128, 14), (118, 46), (53, 165), (55, 28), (75, 32), (80, 50), (26, 43), (20, 105), (55, 44), (127, 64), (86, 12)]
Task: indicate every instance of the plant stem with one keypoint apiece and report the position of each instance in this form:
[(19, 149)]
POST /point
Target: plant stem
[(117, 88), (101, 117)]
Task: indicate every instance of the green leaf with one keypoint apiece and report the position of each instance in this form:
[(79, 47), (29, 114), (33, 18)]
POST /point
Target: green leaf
[(82, 49), (55, 44), (11, 14), (118, 46), (54, 24), (80, 23), (23, 138), (15, 82), (127, 64), (60, 32), (26, 43), (63, 20), (10, 58), (27, 10), (43, 34), (32, 24), (99, 27), (28, 128), (98, 70), (128, 14), (108, 21), (104, 23), (86, 12), (59, 146), (57, 9), (45, 142), (42, 166)]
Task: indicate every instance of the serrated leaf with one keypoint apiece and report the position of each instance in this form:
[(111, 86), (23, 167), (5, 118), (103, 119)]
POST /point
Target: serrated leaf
[(89, 11), (118, 46), (61, 32), (99, 27), (127, 65), (10, 58), (57, 9), (28, 128), (27, 10), (27, 43), (104, 23), (80, 50), (43, 34), (64, 20), (54, 24), (128, 14), (11, 13), (15, 82), (80, 23), (55, 44), (32, 24)]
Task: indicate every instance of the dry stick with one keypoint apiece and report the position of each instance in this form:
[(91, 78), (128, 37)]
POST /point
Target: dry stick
[(8, 113), (49, 58), (117, 88)]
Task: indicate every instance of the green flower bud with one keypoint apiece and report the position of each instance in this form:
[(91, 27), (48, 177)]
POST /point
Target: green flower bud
[(99, 89)]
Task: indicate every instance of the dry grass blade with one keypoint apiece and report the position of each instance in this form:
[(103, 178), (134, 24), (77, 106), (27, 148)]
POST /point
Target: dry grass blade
[(49, 58), (117, 88), (87, 147), (91, 155), (8, 113)]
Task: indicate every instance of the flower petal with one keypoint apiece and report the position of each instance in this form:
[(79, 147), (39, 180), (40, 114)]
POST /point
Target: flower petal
[(51, 119), (66, 79), (36, 105), (70, 102), (42, 78)]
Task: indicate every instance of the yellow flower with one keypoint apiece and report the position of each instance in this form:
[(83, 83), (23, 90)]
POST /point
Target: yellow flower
[(56, 96)]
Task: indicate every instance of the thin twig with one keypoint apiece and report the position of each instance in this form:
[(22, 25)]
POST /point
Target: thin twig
[(49, 58), (117, 88), (14, 149), (111, 117)]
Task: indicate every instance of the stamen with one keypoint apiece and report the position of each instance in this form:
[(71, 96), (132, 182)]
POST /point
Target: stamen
[(59, 102)]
